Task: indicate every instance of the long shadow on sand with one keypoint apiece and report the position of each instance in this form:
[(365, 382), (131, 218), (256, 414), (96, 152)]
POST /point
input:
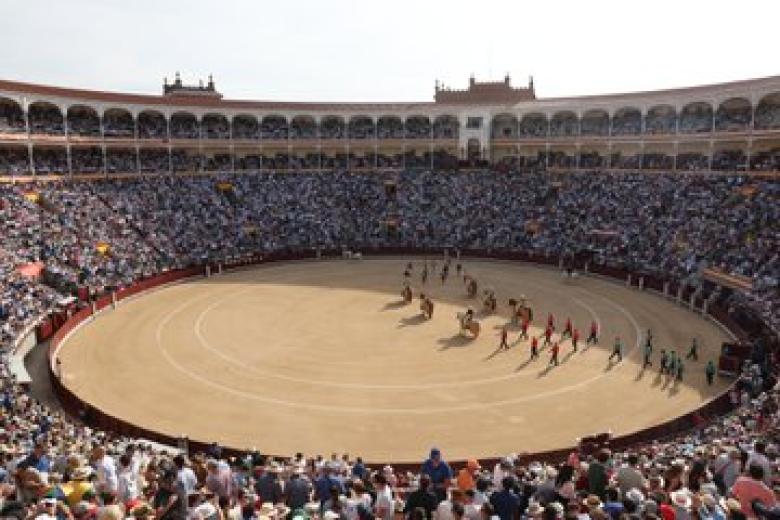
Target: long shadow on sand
[(524, 364), (455, 341), (394, 305), (496, 352), (409, 321), (545, 371)]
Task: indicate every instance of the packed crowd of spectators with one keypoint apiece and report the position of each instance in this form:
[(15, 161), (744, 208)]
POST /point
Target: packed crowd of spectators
[(564, 125), (666, 224), (152, 125), (14, 160), (184, 126), (55, 467), (83, 122), (390, 128), (533, 126), (333, 128), (45, 119), (767, 116), (418, 128), (215, 127), (361, 128), (118, 123), (734, 119), (595, 124), (11, 118), (696, 118), (765, 160), (274, 127), (121, 160), (104, 235), (661, 120), (627, 122), (50, 161), (87, 160)]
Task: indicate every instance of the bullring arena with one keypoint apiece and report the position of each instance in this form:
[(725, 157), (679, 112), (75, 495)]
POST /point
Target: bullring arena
[(324, 355)]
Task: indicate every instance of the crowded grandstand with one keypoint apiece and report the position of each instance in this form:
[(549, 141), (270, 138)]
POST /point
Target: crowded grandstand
[(103, 190)]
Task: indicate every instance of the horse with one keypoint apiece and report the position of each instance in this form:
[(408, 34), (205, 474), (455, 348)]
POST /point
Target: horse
[(489, 303), (470, 325), (406, 294), (520, 310), (471, 286), (426, 306)]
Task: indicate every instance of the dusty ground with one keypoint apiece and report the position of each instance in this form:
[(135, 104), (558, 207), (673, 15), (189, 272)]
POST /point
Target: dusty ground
[(323, 356)]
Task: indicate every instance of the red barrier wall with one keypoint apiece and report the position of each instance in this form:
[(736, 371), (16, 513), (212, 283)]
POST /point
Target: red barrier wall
[(99, 419)]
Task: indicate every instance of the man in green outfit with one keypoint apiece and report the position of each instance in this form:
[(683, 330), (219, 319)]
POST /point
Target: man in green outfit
[(648, 354), (710, 372), (693, 351)]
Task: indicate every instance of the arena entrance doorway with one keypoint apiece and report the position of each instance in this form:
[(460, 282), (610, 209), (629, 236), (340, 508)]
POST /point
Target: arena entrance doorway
[(473, 149)]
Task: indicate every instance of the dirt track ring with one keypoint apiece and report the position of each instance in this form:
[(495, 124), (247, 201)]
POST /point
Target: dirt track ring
[(315, 357)]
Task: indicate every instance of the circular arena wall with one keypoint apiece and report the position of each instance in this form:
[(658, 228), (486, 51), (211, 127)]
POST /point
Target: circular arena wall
[(433, 387)]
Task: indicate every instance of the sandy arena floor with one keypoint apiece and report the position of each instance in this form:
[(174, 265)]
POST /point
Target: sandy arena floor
[(323, 356)]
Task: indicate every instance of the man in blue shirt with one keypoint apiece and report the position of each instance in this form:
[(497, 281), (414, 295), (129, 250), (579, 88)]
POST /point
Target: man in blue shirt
[(440, 474), (506, 503), (323, 485), (359, 469), (37, 459)]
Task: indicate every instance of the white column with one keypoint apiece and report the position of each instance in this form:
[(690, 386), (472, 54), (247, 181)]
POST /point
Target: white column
[(30, 158), (104, 153)]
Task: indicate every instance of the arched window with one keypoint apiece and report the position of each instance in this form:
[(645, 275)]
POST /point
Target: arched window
[(504, 126), (332, 127), (768, 112), (274, 127), (418, 127), (45, 118), (84, 121), (361, 127), (245, 127), (390, 127), (627, 121), (215, 126), (151, 125), (118, 122), (661, 119), (446, 127), (11, 116), (564, 124), (696, 118), (184, 126), (595, 122), (534, 125)]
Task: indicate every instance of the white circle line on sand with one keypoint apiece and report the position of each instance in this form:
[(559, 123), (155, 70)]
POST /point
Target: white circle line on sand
[(366, 411), (198, 329)]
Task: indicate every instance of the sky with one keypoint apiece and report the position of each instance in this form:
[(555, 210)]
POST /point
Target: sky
[(372, 50)]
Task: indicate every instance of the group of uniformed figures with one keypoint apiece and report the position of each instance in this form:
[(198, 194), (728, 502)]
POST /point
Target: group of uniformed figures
[(672, 365)]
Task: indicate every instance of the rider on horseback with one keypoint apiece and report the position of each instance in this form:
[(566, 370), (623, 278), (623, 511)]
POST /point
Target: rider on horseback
[(468, 316)]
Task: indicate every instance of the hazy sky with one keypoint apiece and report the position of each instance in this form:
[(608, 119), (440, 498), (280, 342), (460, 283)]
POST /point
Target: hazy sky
[(370, 50)]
